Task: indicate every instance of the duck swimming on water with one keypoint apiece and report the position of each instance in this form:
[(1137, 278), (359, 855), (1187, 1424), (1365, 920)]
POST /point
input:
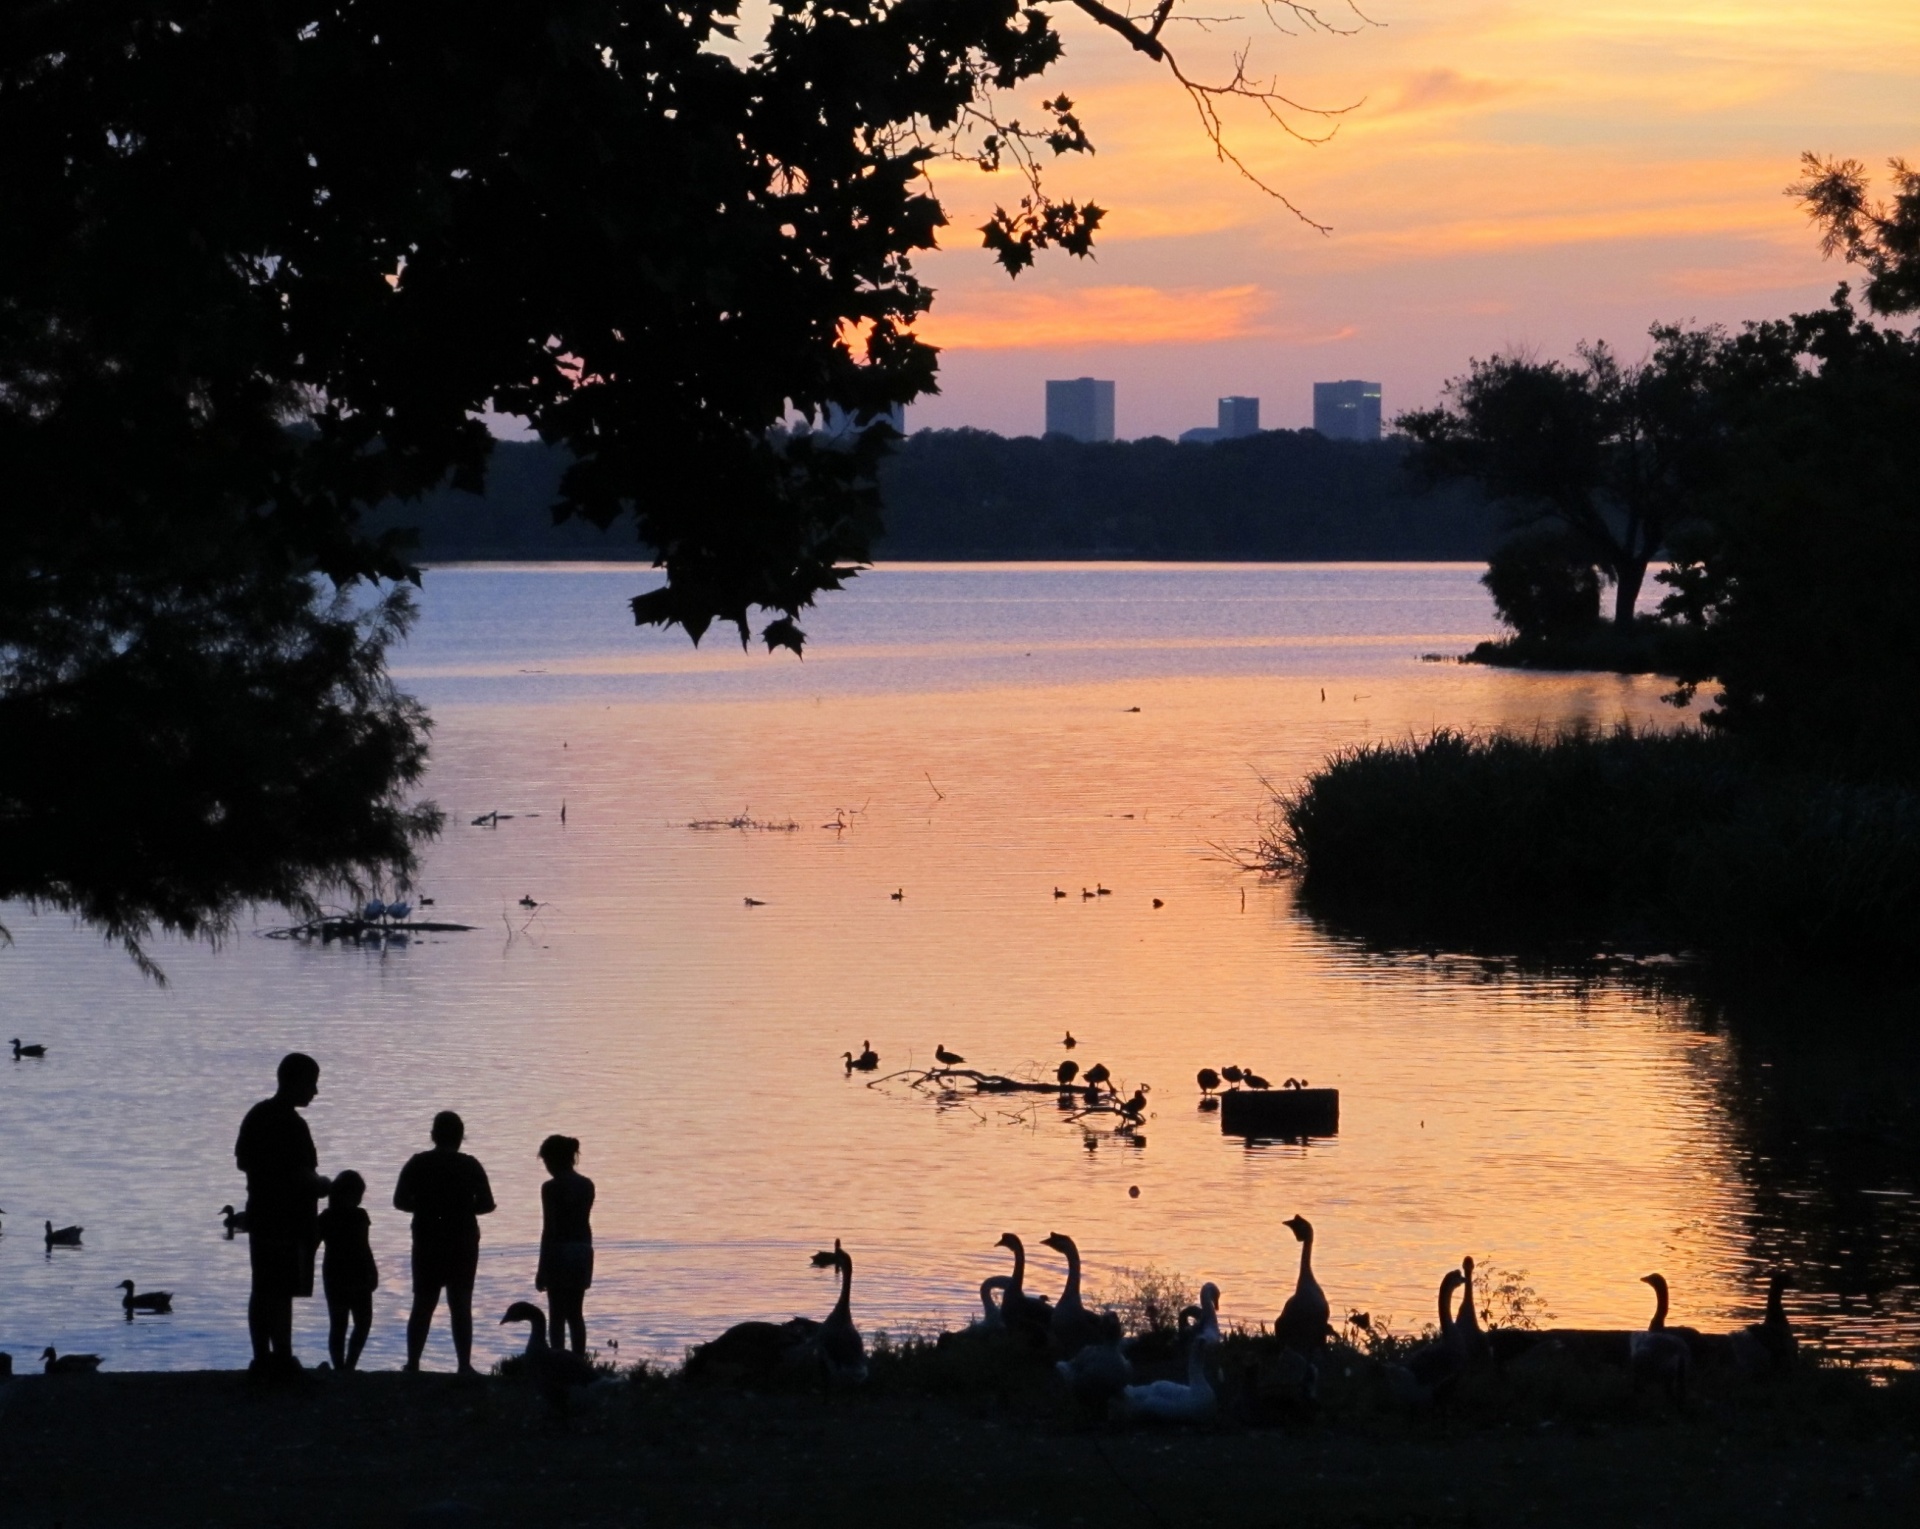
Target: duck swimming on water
[(235, 1221), (159, 1302), (68, 1364), (20, 1051), (63, 1237)]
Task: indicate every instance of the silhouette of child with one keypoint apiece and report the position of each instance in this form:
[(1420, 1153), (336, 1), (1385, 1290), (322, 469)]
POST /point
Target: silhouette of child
[(566, 1242), (348, 1272)]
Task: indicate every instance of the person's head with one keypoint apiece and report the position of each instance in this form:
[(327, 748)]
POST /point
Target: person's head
[(449, 1130), (298, 1078), (560, 1153), (349, 1189)]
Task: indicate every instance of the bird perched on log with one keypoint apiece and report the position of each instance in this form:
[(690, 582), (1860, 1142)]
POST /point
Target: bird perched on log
[(159, 1302), (1097, 1076), (945, 1057), (1233, 1075), (1254, 1080), (1066, 1072), (1135, 1108)]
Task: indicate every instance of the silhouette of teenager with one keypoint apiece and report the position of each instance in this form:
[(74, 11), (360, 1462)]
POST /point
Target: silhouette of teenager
[(275, 1152), (447, 1192), (566, 1241), (348, 1272)]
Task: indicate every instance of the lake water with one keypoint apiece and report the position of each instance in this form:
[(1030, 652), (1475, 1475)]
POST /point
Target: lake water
[(984, 734)]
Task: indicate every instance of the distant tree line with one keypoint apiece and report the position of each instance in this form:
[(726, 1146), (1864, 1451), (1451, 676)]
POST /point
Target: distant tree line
[(1278, 495)]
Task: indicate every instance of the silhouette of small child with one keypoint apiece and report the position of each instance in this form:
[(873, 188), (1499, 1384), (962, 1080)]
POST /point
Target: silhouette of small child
[(566, 1242), (348, 1272)]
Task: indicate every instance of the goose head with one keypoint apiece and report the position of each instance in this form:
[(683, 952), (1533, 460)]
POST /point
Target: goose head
[(1060, 1242), (1209, 1296), (1300, 1226), (524, 1311), (1010, 1240), (126, 1285)]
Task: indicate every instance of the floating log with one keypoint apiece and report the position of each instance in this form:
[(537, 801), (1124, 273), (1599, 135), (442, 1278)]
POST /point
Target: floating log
[(1280, 1112)]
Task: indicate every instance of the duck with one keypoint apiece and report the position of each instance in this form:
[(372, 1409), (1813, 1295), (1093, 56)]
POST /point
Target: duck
[(20, 1051), (1072, 1327), (1066, 1072), (1433, 1370), (63, 1237), (160, 1302), (1059, 892), (1173, 1401), (1471, 1341), (1085, 895), (945, 1057), (1031, 1316), (1100, 891), (1067, 1041), (867, 1061), (1136, 1107), (553, 1370), (751, 902), (1098, 1370), (1659, 1356), (898, 894), (1254, 1080), (68, 1364), (1233, 1075), (235, 1221), (1208, 1080), (842, 1353), (1159, 903), (1097, 1075), (1302, 1323), (529, 901)]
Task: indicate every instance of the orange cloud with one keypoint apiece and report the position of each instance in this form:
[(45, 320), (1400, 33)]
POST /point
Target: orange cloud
[(963, 320), (1436, 90)]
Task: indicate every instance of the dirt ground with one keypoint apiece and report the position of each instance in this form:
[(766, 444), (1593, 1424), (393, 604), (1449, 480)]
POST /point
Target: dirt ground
[(389, 1449)]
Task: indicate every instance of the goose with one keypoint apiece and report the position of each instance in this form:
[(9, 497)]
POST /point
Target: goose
[(1198, 1322), (1067, 1041), (1097, 1075), (752, 1350), (235, 1221), (1072, 1327), (1769, 1344), (553, 1370), (1659, 1355), (160, 1302), (1066, 1072), (63, 1237), (1302, 1323), (1433, 1370), (1254, 1080), (1098, 1370), (1233, 1075), (1058, 892), (1208, 1080), (20, 1051), (68, 1364), (1173, 1401), (1467, 1335), (945, 1057), (1029, 1315), (841, 1352)]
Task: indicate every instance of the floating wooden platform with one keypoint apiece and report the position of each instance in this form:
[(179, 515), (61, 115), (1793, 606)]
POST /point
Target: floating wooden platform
[(1280, 1112)]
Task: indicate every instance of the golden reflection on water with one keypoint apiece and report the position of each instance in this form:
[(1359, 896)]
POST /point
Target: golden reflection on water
[(693, 1042)]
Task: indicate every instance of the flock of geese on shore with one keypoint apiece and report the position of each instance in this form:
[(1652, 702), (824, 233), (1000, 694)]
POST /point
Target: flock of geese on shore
[(1175, 1377)]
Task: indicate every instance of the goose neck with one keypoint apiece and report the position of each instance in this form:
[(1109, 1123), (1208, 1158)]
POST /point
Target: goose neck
[(843, 1308), (1659, 1321)]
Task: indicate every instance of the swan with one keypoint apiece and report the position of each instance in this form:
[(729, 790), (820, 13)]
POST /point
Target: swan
[(1072, 1327), (1098, 1370), (1302, 1323), (1066, 1072), (157, 1301), (20, 1051), (838, 1340), (1029, 1315), (552, 1369), (68, 1364), (63, 1237), (1467, 1336), (1433, 1370), (1208, 1080), (1659, 1355), (1172, 1401), (945, 1057), (234, 1221)]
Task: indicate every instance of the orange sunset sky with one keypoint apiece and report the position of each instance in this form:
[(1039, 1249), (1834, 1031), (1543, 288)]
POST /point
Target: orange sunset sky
[(1520, 174)]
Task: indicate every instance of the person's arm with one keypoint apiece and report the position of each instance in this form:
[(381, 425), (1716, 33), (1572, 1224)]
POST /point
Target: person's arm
[(482, 1191), (404, 1196)]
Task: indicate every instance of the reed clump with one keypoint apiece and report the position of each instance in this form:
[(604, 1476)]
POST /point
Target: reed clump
[(1682, 840)]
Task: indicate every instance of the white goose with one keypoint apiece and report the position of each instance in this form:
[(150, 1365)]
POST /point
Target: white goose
[(1172, 1401)]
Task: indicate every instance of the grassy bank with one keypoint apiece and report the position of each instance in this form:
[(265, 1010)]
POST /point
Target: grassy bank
[(1822, 1447), (1649, 646), (1668, 841)]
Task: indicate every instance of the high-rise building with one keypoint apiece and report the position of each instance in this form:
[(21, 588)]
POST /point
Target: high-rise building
[(1081, 408), (1239, 416), (1347, 411)]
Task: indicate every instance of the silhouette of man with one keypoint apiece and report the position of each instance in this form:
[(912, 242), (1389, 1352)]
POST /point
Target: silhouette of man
[(284, 1187), (447, 1192)]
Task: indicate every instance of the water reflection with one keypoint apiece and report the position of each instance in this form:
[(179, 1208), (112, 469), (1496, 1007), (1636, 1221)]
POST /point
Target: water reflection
[(1580, 1128)]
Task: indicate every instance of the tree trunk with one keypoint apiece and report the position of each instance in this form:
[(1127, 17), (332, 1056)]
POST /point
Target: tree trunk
[(1628, 576)]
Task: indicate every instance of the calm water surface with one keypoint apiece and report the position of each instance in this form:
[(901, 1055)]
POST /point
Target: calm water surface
[(985, 734)]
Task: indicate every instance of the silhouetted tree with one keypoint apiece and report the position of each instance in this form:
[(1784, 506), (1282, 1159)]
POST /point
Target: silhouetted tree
[(264, 265), (1543, 583), (1610, 451)]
